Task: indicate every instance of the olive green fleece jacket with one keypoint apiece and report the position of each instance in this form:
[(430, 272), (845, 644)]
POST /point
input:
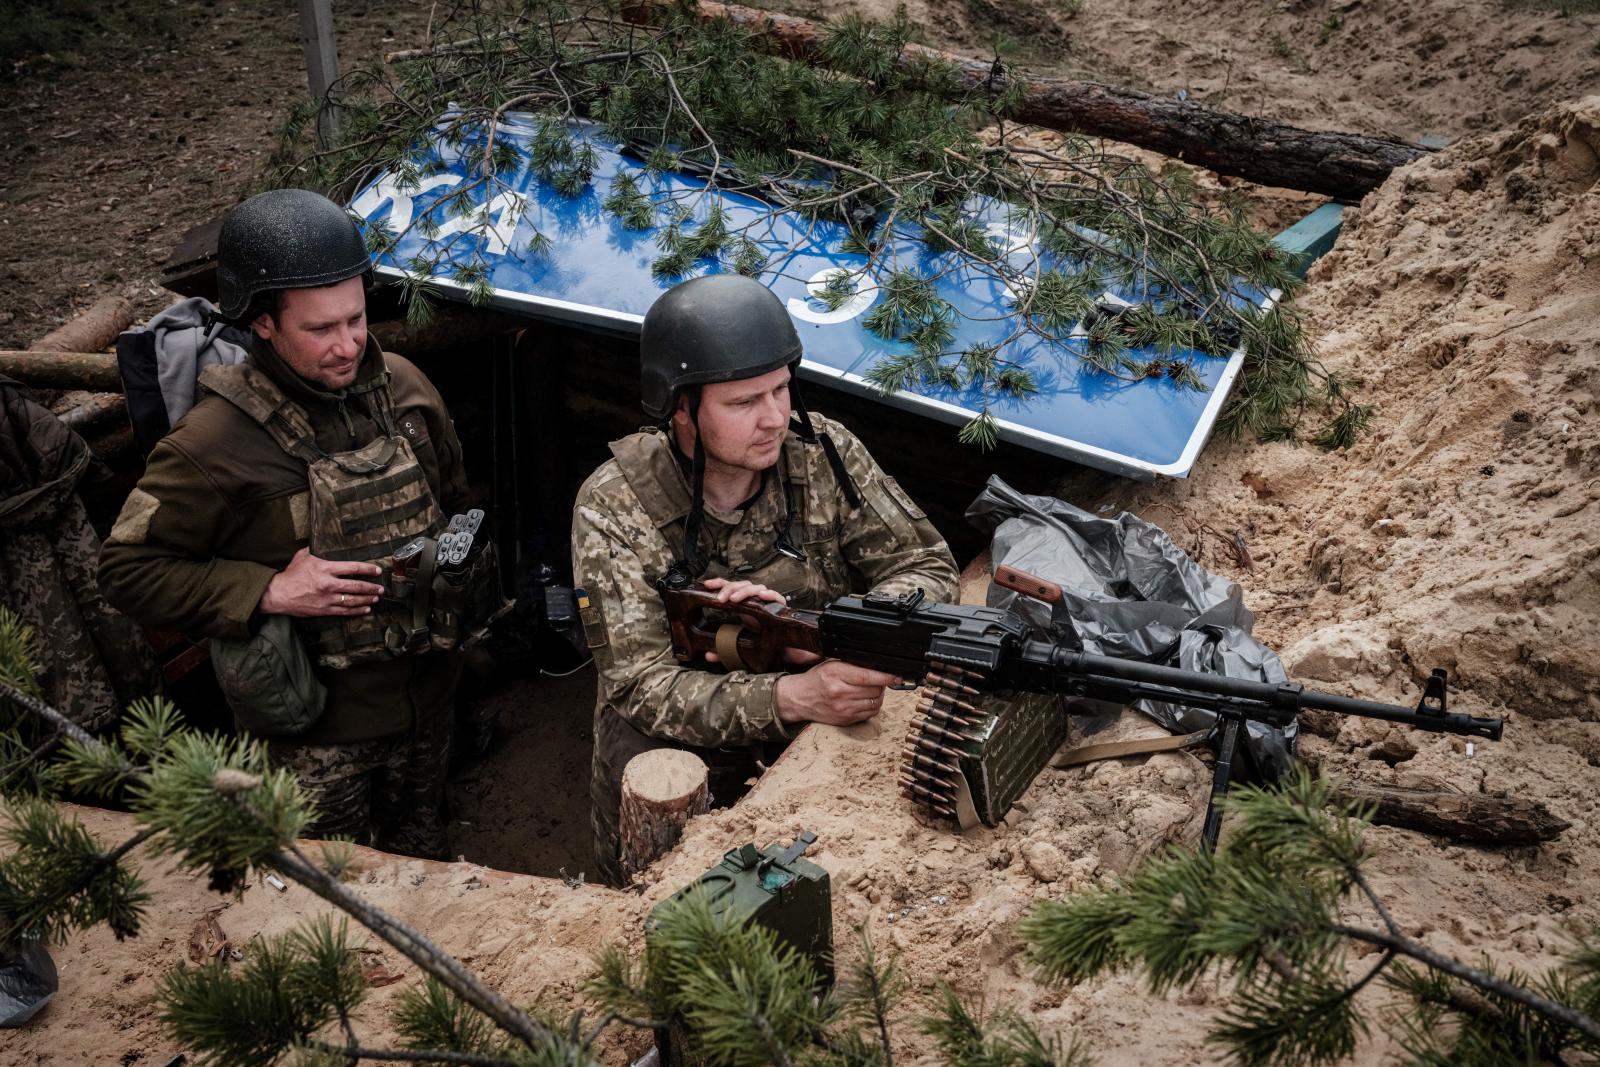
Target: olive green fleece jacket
[(221, 509)]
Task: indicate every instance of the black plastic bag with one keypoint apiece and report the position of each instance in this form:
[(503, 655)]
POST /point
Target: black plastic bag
[(1128, 591), (27, 983)]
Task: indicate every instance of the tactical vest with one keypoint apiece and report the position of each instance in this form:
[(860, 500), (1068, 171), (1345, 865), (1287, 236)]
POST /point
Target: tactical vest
[(804, 562), (364, 504)]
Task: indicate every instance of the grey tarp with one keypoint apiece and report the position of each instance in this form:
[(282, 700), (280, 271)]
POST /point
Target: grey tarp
[(1130, 592)]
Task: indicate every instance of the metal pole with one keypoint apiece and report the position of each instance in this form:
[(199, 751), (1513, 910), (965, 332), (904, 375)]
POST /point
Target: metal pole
[(322, 66)]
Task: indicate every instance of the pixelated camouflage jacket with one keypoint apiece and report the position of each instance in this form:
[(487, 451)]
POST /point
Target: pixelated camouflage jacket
[(619, 551), (92, 661), (221, 509)]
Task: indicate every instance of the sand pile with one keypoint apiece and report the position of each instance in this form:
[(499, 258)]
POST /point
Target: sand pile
[(1462, 532)]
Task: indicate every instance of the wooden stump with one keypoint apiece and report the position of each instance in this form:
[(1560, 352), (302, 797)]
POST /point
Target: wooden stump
[(661, 790)]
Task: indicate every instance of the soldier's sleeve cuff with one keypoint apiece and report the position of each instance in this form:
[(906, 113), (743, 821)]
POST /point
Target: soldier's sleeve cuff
[(764, 698), (241, 584)]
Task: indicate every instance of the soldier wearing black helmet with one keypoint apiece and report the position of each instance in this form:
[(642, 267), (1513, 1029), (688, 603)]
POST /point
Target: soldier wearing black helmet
[(267, 519), (741, 488)]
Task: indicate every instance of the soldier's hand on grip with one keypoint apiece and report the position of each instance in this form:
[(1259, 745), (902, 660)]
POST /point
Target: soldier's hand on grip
[(310, 587), (832, 692)]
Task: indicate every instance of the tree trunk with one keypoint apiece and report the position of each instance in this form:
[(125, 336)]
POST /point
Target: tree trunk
[(94, 329), (1478, 818), (661, 790), (94, 371), (1345, 166)]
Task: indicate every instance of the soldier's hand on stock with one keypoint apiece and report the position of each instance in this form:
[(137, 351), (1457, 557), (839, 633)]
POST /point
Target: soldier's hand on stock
[(832, 692), (310, 587), (734, 592)]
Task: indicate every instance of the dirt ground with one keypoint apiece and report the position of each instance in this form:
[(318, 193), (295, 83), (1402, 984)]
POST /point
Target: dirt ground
[(1460, 533)]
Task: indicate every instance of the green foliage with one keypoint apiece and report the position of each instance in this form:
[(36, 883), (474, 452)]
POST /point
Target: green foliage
[(286, 990), (217, 806), (966, 1039), (1346, 427), (429, 1016), (1267, 912), (55, 879), (1447, 1021), (748, 999), (885, 142)]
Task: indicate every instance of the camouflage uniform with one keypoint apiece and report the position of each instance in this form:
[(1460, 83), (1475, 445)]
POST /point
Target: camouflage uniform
[(626, 527), (222, 508), (92, 660)]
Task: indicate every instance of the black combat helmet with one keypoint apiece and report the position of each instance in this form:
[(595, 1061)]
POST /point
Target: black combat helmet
[(718, 328), (284, 239), (721, 328)]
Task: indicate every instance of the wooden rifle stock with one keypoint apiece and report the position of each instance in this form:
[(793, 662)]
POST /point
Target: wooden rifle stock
[(752, 635)]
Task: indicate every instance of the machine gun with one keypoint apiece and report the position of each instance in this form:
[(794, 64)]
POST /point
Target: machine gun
[(958, 753)]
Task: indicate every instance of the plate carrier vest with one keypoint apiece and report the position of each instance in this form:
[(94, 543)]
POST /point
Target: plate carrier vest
[(364, 504)]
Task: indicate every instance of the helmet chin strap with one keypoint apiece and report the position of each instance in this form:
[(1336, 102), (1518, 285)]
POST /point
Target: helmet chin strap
[(809, 434), (689, 562)]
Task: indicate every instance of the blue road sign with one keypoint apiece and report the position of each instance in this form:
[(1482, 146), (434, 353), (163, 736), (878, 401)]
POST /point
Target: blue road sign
[(596, 272)]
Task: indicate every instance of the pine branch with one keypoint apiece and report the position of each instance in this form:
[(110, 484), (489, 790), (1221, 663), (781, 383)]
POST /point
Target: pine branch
[(1456, 969), (412, 944)]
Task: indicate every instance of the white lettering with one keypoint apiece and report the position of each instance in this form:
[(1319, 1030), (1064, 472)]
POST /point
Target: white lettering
[(503, 214), (388, 191), (864, 294)]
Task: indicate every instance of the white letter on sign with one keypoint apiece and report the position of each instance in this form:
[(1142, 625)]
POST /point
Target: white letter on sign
[(387, 191), (505, 211), (864, 295)]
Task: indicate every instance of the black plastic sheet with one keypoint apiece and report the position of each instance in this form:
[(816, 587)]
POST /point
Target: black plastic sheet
[(1128, 591), (27, 983)]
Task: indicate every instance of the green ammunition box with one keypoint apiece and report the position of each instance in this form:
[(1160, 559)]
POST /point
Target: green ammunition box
[(1023, 732), (779, 890)]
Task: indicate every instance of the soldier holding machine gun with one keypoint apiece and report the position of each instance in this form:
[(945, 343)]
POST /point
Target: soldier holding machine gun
[(729, 491)]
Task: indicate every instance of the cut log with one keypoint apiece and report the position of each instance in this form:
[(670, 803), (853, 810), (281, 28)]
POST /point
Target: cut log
[(1474, 818), (93, 329), (661, 790), (1345, 166), (95, 371), (95, 409)]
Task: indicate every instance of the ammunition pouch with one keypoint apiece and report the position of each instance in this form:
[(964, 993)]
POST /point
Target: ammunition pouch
[(268, 681), (442, 607), (465, 601)]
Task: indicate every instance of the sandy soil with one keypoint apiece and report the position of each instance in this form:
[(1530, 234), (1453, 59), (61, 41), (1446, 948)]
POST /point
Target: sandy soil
[(1460, 533)]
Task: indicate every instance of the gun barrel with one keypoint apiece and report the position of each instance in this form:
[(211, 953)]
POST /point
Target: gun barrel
[(1108, 677)]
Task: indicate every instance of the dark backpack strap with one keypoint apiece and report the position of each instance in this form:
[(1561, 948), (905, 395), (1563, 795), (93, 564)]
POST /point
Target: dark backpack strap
[(147, 411)]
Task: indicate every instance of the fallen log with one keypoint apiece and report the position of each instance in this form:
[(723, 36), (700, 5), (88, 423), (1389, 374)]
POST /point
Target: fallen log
[(94, 371), (94, 409), (661, 790), (1474, 818), (94, 328), (1345, 166)]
